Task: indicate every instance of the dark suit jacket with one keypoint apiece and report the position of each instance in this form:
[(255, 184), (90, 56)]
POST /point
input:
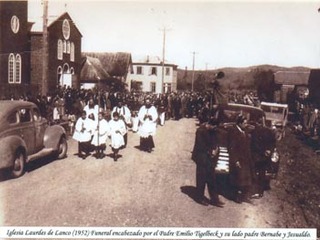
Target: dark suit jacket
[(240, 151), (205, 142), (263, 139)]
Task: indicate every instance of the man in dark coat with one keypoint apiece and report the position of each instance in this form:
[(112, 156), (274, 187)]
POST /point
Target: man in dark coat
[(176, 104), (240, 165), (262, 144), (205, 155)]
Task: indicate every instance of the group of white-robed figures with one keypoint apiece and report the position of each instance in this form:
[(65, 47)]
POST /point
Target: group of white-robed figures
[(93, 130)]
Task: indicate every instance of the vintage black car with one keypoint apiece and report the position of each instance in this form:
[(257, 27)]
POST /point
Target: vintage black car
[(227, 115), (26, 136)]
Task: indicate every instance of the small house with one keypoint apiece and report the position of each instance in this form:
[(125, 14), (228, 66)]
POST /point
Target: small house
[(117, 66), (287, 81)]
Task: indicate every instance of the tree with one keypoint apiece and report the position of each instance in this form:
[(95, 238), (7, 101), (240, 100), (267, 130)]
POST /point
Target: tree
[(264, 83), (199, 83)]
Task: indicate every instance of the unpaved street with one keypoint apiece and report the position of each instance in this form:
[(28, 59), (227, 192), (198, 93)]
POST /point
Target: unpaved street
[(141, 189)]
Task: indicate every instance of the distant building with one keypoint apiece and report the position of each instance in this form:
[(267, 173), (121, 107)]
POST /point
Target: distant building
[(14, 48), (147, 76), (92, 73), (64, 54), (287, 82), (106, 68), (314, 87)]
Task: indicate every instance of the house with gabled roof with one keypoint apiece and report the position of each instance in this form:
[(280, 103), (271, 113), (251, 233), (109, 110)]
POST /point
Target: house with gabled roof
[(64, 53), (14, 48), (92, 73), (117, 65), (287, 81)]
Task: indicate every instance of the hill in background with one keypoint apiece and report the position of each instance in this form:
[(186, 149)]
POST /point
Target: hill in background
[(235, 79)]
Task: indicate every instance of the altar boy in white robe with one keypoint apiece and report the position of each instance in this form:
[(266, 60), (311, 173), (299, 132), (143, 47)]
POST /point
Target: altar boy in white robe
[(100, 135), (117, 130), (83, 134), (125, 115), (148, 116)]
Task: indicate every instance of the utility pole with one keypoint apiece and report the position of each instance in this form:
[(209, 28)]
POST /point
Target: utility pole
[(163, 56), (205, 77), (194, 53), (44, 82)]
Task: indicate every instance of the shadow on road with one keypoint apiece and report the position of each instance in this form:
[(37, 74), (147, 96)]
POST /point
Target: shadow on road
[(191, 191), (5, 174), (223, 188), (34, 165)]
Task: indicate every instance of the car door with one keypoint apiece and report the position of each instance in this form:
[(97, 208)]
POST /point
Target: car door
[(40, 125), (13, 125), (27, 129)]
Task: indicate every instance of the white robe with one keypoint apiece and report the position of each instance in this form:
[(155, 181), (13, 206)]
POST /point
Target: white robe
[(123, 112), (56, 114), (101, 133), (94, 110), (117, 139), (147, 126), (83, 130), (135, 123)]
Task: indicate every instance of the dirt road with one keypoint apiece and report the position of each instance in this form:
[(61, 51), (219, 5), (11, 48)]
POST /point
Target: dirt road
[(141, 189)]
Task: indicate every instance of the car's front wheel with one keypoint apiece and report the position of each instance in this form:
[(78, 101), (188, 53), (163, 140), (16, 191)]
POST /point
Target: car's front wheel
[(62, 148), (19, 162)]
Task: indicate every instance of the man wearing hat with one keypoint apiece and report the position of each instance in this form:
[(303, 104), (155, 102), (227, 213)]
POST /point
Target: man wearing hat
[(205, 155)]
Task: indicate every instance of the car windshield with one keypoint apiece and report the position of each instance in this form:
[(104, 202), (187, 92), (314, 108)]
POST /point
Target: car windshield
[(272, 109)]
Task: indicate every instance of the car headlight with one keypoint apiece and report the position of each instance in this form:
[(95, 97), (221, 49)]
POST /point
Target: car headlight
[(275, 156)]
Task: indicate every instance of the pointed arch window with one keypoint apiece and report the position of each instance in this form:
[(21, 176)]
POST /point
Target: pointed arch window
[(18, 69), (60, 49), (64, 46), (11, 67), (68, 47), (14, 68), (72, 52)]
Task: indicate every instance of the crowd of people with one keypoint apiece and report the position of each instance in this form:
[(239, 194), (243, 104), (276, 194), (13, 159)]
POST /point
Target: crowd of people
[(97, 119), (66, 101)]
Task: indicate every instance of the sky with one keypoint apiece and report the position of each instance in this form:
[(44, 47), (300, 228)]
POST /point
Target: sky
[(204, 34)]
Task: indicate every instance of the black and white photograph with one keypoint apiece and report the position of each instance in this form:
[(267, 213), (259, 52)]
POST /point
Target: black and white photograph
[(160, 114)]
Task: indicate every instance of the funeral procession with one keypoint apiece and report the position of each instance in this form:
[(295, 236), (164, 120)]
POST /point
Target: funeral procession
[(132, 137)]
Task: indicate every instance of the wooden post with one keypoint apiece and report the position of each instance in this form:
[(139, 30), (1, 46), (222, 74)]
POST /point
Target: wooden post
[(45, 50)]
